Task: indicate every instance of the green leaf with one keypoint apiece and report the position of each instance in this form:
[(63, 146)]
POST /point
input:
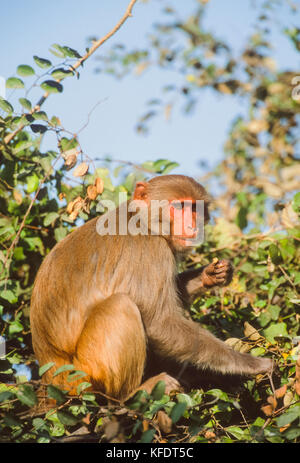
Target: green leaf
[(70, 52), (82, 386), (51, 86), (177, 411), (15, 327), (14, 82), (42, 62), (275, 254), (9, 296), (6, 106), (76, 375), (32, 183), (6, 395), (158, 390), (67, 418), (26, 395), (292, 433), (45, 368), (39, 424), (239, 433), (147, 436), (55, 393), (24, 70), (60, 233), (61, 73), (138, 400), (288, 417), (38, 128), (57, 51), (241, 218), (274, 330), (296, 202), (25, 103), (66, 367), (50, 218), (40, 115), (169, 166), (257, 351)]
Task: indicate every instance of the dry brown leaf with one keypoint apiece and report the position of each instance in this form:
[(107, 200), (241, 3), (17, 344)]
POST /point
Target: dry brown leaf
[(257, 125), (223, 88), (111, 429), (81, 170), (270, 265), (164, 422), (73, 215), (99, 184), (75, 205), (260, 152), (71, 152), (18, 197), (288, 398), (272, 401), (70, 161), (270, 63), (250, 332), (145, 425), (209, 435), (267, 410), (298, 369), (289, 218), (167, 111), (297, 376), (140, 68), (272, 190), (276, 88), (280, 392), (61, 196), (290, 172)]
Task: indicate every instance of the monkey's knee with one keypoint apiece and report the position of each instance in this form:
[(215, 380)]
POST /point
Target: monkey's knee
[(112, 346)]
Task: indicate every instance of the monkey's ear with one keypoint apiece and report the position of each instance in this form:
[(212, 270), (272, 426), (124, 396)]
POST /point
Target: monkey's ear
[(140, 191)]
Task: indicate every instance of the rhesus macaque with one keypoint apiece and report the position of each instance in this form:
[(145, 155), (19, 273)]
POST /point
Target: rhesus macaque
[(99, 302)]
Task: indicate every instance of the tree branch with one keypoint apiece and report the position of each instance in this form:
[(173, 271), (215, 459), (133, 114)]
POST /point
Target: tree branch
[(95, 46)]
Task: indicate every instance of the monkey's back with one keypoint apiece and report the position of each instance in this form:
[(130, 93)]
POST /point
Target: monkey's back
[(85, 268)]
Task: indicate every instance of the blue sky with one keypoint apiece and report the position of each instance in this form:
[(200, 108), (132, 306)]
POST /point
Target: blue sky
[(30, 27)]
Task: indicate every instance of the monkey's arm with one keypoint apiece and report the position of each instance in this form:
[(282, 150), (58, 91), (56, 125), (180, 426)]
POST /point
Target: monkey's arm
[(192, 282), (172, 335)]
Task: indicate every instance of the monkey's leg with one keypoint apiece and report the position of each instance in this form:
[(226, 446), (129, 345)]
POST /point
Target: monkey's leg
[(112, 346)]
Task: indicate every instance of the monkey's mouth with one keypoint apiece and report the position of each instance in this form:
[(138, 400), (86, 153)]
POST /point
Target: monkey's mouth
[(185, 240)]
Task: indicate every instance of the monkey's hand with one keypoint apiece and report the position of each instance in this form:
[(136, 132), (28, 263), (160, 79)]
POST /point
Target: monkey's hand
[(217, 273)]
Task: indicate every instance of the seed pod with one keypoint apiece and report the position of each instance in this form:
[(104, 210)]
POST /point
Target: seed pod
[(99, 184), (92, 192), (81, 170)]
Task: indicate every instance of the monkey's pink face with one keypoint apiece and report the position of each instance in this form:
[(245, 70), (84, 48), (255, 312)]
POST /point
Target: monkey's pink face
[(183, 221)]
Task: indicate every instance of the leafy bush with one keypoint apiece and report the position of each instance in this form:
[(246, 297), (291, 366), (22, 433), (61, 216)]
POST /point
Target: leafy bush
[(44, 195)]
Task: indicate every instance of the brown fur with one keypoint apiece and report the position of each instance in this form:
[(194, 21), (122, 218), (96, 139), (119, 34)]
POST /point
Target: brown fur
[(99, 300)]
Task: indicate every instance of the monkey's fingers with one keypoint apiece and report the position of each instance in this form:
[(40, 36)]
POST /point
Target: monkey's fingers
[(222, 270), (210, 269)]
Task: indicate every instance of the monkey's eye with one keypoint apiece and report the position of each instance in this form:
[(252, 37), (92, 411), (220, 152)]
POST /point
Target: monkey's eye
[(177, 205)]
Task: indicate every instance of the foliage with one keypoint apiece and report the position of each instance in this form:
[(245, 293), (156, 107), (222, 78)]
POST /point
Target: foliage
[(45, 194)]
